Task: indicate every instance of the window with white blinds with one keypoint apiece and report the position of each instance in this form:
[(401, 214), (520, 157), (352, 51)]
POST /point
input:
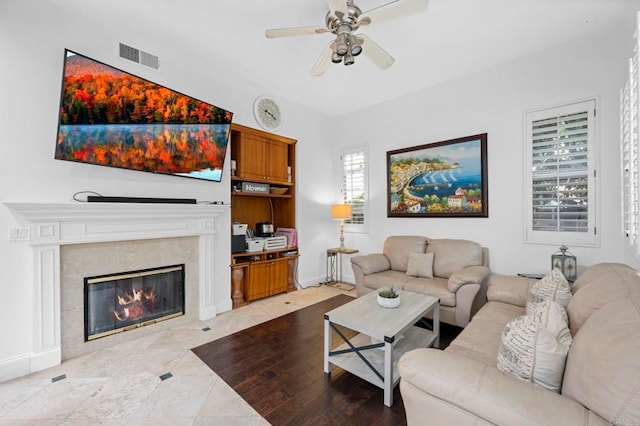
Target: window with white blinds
[(630, 153), (354, 186), (561, 175)]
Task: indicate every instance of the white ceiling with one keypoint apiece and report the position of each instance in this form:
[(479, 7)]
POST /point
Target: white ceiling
[(452, 38)]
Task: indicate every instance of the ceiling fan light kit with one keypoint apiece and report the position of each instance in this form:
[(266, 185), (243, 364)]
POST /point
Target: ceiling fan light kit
[(343, 20)]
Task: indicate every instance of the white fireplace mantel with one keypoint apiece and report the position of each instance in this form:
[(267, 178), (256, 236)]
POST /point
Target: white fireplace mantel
[(55, 224), (75, 223)]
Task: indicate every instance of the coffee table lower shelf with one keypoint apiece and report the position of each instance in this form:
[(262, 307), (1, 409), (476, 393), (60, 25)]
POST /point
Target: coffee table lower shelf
[(414, 337)]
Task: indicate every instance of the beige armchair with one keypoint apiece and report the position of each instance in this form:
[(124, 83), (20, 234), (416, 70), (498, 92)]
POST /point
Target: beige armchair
[(457, 274)]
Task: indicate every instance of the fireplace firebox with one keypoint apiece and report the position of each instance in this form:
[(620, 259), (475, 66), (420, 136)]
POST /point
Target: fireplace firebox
[(119, 302)]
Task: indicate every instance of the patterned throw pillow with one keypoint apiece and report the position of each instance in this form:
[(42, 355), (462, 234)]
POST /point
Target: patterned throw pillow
[(534, 347), (554, 286), (420, 265)]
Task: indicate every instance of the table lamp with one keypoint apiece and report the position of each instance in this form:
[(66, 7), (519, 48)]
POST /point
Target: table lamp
[(341, 212)]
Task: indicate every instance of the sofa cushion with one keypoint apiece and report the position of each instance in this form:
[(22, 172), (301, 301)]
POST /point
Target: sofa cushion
[(480, 339), (420, 265), (453, 255), (603, 367), (436, 287), (554, 286), (609, 282), (465, 386), (534, 346), (386, 278), (397, 249)]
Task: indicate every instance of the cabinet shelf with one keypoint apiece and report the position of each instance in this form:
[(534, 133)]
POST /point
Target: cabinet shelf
[(256, 194), (270, 182), (262, 254)]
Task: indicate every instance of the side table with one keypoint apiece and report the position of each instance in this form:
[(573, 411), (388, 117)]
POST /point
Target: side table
[(334, 263)]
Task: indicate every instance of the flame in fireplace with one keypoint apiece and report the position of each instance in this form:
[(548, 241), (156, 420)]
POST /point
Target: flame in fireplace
[(135, 304)]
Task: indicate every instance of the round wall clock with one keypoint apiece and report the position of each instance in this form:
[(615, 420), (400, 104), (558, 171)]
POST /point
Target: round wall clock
[(267, 113)]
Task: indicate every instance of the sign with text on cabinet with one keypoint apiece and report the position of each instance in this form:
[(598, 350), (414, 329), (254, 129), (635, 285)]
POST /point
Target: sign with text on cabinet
[(260, 188)]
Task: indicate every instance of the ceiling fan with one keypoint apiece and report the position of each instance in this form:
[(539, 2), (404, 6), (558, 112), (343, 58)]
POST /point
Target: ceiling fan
[(343, 20)]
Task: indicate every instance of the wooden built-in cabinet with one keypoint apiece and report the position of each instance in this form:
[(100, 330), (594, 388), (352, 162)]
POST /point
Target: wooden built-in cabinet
[(262, 274), (262, 157)]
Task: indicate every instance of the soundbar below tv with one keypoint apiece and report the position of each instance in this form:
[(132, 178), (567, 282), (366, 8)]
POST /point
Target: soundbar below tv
[(103, 199)]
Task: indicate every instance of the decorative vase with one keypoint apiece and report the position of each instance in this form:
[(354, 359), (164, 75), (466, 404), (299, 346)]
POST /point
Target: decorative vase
[(386, 302)]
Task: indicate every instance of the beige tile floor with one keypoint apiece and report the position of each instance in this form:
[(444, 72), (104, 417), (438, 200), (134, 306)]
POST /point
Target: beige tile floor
[(121, 385)]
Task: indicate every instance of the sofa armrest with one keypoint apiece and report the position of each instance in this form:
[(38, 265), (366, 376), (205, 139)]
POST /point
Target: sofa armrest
[(468, 275), (509, 289), (483, 391), (372, 263)]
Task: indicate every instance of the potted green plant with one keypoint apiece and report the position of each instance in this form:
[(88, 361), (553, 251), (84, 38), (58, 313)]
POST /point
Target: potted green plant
[(388, 298)]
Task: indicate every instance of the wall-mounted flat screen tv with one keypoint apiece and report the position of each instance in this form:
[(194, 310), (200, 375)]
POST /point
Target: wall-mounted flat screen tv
[(112, 118)]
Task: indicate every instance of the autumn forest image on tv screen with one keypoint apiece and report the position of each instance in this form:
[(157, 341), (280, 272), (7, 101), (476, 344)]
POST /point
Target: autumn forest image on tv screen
[(112, 118)]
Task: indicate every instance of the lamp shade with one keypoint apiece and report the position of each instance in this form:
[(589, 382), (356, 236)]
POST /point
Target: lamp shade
[(341, 211)]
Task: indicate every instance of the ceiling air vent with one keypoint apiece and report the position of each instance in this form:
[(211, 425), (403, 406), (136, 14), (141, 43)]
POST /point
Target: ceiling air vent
[(138, 56), (149, 60)]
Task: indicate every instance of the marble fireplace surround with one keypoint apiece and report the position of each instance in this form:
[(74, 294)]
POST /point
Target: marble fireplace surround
[(57, 224), (78, 261)]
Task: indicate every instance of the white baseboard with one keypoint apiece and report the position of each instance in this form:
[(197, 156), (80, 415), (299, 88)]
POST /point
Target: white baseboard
[(313, 282), (11, 368), (207, 313), (225, 306), (22, 365), (46, 359)]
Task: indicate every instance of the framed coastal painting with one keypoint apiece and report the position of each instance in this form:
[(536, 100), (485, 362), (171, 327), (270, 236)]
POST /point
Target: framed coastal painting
[(441, 179)]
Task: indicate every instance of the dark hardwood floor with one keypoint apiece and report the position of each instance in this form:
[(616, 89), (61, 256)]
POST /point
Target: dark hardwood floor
[(277, 368)]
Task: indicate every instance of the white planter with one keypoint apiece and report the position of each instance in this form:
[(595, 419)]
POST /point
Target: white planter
[(385, 302)]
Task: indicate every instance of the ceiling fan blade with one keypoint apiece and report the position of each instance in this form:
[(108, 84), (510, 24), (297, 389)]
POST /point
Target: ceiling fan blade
[(375, 53), (296, 31), (395, 9), (338, 8), (323, 62)]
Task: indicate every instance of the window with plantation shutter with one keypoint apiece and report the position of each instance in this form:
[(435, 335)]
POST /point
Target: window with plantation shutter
[(561, 175), (354, 187), (630, 153)]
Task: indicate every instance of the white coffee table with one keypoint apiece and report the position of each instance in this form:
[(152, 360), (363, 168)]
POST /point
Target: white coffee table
[(377, 363)]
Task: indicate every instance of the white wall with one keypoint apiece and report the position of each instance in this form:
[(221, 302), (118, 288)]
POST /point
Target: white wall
[(33, 36), (493, 101)]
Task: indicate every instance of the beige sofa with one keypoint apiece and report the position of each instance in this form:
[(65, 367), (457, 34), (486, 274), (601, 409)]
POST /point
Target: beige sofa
[(459, 273), (601, 385)]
